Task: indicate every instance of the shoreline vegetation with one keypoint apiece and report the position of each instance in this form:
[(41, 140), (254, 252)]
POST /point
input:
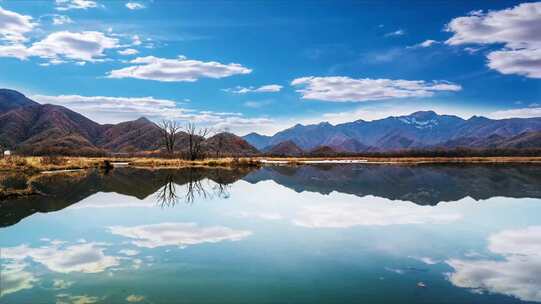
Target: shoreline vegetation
[(37, 164), (30, 167)]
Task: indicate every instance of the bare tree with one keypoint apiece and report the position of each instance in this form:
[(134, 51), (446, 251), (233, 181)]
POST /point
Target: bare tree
[(222, 190), (167, 195), (195, 140), (195, 189), (169, 129)]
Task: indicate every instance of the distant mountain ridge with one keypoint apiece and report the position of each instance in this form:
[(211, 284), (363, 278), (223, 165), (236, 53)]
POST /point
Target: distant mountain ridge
[(419, 130), (34, 128)]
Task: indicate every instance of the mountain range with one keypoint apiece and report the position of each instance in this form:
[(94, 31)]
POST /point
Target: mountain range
[(419, 130), (33, 128)]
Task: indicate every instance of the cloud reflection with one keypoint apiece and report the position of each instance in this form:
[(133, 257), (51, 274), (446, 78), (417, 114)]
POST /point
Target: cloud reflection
[(378, 212), (517, 275), (178, 234), (14, 278), (135, 298), (69, 299), (86, 258)]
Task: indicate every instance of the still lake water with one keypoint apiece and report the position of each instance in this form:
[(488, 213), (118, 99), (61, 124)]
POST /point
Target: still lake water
[(309, 234)]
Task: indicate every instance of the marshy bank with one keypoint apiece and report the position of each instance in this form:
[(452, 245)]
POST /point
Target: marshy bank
[(40, 164), (37, 164)]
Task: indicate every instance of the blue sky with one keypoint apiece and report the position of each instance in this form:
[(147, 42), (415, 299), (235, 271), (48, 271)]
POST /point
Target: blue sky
[(267, 65)]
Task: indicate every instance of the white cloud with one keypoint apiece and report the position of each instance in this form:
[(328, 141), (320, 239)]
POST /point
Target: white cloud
[(128, 252), (106, 109), (516, 28), (525, 62), (399, 32), (134, 6), (137, 263), (126, 52), (395, 270), (344, 89), (61, 19), (14, 26), (16, 50), (425, 44), (136, 40), (516, 113), (69, 299), (428, 43), (135, 298), (178, 234), (382, 213), (524, 242), (270, 88), (472, 50), (65, 5), (257, 103), (14, 278), (86, 258), (428, 260), (179, 69), (61, 284), (516, 275), (85, 46), (63, 46), (269, 216)]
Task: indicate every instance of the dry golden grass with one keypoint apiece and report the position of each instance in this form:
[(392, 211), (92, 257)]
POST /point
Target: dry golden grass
[(39, 164), (31, 163), (180, 163)]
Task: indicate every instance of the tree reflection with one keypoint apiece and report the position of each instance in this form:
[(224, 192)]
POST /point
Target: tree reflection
[(193, 188)]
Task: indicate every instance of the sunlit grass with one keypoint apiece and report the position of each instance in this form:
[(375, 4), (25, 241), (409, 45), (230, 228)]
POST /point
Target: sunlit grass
[(34, 163), (39, 164)]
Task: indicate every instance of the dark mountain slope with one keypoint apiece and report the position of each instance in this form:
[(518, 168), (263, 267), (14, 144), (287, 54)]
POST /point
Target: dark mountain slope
[(131, 136), (228, 144), (43, 129), (525, 140), (39, 127), (286, 148), (10, 99)]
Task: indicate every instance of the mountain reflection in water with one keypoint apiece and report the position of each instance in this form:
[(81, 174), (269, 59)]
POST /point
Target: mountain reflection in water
[(422, 185), (306, 234), (65, 189)]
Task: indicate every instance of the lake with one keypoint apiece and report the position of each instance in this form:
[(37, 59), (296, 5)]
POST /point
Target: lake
[(354, 233)]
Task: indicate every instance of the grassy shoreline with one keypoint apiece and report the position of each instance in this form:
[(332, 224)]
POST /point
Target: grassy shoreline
[(37, 166), (40, 164)]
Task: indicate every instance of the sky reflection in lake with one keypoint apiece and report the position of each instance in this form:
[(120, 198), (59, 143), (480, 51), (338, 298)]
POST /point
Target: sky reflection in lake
[(279, 234)]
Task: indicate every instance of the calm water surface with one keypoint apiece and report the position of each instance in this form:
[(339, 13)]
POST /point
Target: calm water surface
[(309, 234)]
